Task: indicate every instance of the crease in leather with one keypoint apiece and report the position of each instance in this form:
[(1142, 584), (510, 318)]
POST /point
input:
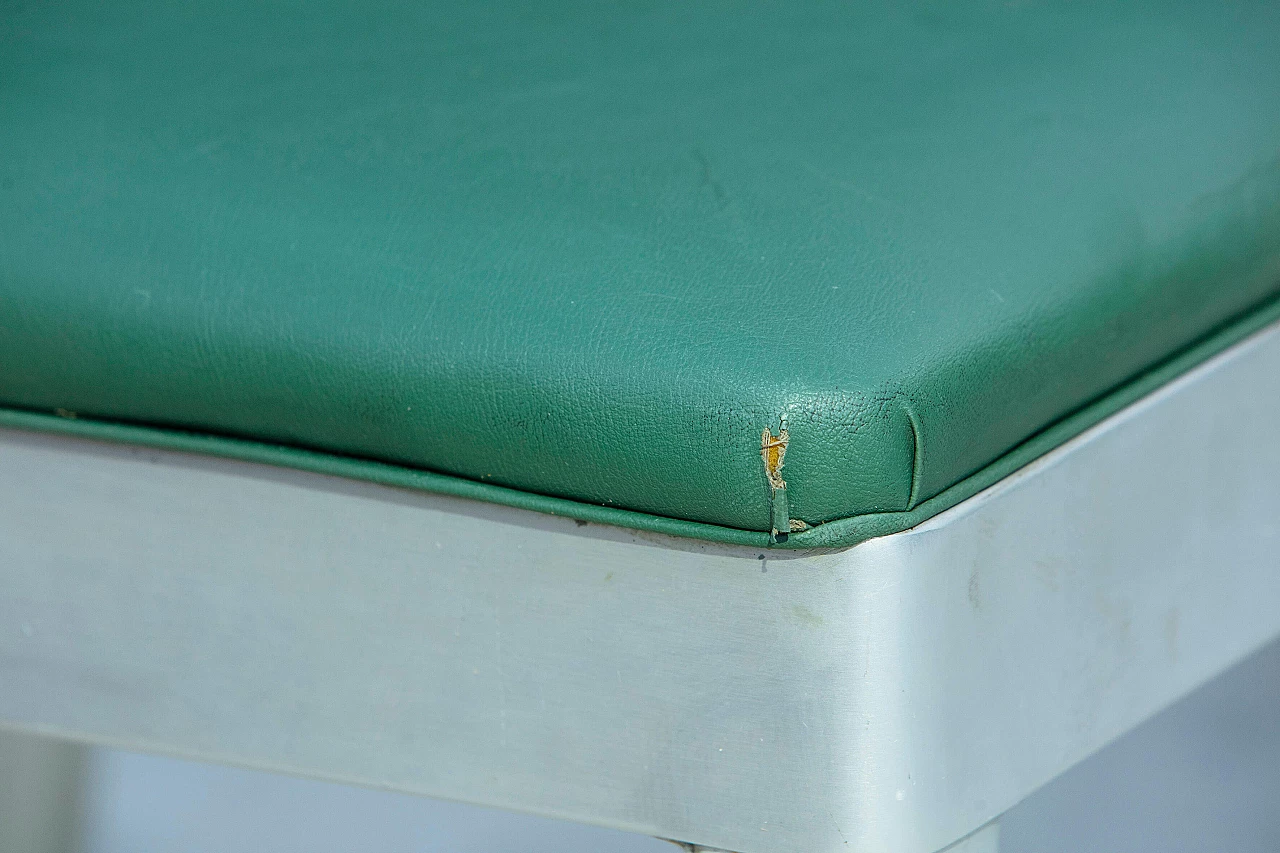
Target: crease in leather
[(917, 455), (832, 535)]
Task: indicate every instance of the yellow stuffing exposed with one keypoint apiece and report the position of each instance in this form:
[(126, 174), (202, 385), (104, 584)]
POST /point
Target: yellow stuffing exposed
[(772, 450)]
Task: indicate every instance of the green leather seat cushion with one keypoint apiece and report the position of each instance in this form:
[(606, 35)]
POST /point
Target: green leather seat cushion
[(589, 252)]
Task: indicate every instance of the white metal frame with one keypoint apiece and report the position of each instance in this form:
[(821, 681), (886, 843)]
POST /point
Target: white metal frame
[(895, 696)]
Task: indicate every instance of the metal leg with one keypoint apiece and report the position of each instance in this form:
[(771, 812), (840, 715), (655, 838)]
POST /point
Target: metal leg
[(985, 840), (41, 794)]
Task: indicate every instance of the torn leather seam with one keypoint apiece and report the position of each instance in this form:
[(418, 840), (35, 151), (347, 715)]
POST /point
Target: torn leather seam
[(773, 450)]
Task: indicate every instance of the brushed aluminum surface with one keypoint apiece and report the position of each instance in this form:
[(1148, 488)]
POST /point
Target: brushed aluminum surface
[(895, 696)]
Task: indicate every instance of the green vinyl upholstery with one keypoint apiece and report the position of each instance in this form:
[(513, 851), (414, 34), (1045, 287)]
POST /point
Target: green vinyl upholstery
[(580, 255)]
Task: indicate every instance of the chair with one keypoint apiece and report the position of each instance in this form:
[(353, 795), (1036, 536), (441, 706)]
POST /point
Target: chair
[(781, 428)]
